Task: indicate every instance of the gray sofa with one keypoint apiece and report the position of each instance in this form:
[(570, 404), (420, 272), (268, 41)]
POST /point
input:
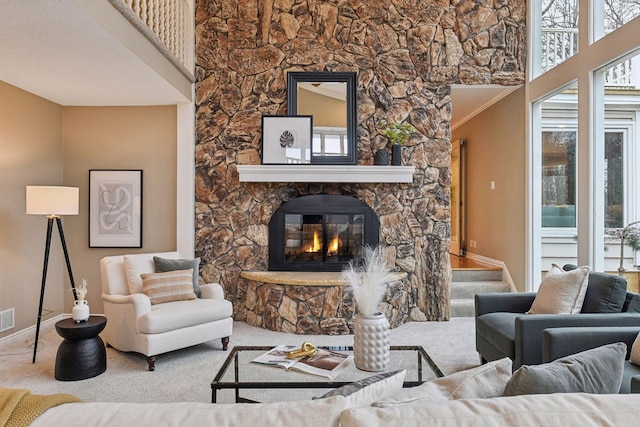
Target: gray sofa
[(561, 342), (503, 329)]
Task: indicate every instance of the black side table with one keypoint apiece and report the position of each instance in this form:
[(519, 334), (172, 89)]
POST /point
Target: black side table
[(82, 354)]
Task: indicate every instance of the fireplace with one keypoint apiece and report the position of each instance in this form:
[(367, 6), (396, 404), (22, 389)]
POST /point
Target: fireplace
[(320, 233)]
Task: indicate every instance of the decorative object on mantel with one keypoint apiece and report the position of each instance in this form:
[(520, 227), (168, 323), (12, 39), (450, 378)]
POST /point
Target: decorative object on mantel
[(80, 310), (286, 139), (381, 158), (397, 133), (369, 281)]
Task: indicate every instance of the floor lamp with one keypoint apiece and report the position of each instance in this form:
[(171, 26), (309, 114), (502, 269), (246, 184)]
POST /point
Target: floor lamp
[(52, 202)]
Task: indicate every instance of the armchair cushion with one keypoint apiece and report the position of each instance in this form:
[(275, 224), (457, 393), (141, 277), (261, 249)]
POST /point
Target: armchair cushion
[(561, 292), (183, 314), (163, 265), (592, 371), (606, 293), (631, 303), (170, 286)]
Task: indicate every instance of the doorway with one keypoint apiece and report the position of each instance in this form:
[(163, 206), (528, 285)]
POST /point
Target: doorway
[(458, 245)]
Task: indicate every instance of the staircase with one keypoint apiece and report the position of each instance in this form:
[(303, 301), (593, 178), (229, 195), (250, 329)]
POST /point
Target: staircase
[(470, 278)]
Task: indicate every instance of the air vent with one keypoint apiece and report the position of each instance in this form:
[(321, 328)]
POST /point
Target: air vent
[(7, 320)]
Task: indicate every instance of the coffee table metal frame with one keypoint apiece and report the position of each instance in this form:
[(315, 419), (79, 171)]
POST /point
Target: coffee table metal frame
[(218, 384)]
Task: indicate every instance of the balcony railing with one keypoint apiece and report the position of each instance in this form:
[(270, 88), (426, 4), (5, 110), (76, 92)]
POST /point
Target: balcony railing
[(167, 23), (559, 44)]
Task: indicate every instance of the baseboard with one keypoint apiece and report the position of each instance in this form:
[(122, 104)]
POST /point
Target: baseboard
[(30, 331), (506, 277)]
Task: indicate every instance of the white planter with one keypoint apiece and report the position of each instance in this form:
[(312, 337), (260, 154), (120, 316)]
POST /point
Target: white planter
[(80, 310), (371, 350)]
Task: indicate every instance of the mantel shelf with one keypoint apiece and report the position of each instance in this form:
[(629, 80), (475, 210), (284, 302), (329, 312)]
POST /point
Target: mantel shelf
[(326, 173)]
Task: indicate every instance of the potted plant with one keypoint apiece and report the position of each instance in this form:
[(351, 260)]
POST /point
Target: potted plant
[(629, 235), (369, 281), (397, 133)]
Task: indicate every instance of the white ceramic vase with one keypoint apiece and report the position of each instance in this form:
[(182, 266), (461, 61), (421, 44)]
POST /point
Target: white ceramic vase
[(80, 310), (371, 349)]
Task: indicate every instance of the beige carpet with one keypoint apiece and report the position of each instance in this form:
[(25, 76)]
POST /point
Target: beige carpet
[(186, 375)]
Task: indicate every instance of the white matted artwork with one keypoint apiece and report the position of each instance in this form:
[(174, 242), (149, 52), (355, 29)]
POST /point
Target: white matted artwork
[(286, 139), (115, 208)]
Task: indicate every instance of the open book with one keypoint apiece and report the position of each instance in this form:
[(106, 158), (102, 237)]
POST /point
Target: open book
[(324, 363)]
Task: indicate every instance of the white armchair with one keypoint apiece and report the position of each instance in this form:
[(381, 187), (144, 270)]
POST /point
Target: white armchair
[(134, 324)]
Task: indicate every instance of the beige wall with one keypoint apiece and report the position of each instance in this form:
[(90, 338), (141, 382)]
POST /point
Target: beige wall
[(326, 111), (496, 151), (43, 143), (30, 154), (120, 138)]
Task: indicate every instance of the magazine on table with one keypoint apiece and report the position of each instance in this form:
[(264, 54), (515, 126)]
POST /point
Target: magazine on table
[(324, 363)]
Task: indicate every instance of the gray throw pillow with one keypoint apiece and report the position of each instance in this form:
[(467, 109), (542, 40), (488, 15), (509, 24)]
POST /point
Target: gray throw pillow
[(164, 265), (596, 371)]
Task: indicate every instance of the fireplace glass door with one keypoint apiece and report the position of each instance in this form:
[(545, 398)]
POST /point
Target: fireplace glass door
[(328, 238)]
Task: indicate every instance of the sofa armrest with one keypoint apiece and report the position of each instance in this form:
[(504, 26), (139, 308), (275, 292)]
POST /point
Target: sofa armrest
[(211, 291), (635, 384), (528, 330), (562, 342), (140, 303), (517, 302)]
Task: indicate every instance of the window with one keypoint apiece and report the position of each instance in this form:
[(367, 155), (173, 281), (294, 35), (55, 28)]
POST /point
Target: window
[(613, 180), (612, 14), (329, 142), (559, 33), (559, 178)]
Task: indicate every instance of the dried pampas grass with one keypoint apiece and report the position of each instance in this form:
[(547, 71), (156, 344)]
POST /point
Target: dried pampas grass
[(368, 280)]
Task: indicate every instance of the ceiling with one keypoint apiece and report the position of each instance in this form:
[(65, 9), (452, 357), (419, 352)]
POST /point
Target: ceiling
[(59, 51)]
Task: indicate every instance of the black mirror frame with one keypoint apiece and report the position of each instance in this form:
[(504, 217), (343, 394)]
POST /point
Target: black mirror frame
[(294, 77)]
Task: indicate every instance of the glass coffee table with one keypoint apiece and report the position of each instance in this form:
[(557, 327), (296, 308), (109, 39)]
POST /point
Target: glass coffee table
[(238, 373)]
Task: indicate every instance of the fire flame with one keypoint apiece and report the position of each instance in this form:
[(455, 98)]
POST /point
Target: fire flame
[(315, 247), (333, 246), (332, 249)]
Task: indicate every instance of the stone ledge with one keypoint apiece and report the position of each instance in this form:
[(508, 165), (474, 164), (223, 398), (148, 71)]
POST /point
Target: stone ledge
[(304, 278)]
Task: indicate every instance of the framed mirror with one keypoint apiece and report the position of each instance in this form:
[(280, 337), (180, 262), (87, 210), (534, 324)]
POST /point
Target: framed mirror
[(331, 99)]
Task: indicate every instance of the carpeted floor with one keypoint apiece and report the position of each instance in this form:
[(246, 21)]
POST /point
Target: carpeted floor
[(186, 375)]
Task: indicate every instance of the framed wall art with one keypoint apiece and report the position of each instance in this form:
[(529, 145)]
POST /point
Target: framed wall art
[(115, 208), (286, 140)]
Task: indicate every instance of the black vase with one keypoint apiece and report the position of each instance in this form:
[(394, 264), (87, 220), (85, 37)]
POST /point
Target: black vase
[(396, 155), (381, 157)]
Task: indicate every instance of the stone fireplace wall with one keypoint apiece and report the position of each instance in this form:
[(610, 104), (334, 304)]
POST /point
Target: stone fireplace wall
[(406, 54)]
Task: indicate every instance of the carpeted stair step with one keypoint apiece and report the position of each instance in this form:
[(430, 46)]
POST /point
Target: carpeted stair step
[(465, 290), (474, 275), (462, 295)]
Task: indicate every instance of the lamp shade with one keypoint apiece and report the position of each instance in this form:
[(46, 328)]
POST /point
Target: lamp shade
[(48, 200)]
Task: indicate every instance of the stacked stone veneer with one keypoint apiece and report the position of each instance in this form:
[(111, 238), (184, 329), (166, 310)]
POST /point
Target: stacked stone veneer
[(406, 54)]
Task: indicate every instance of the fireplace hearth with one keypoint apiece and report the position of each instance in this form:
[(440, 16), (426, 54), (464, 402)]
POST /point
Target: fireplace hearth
[(320, 232)]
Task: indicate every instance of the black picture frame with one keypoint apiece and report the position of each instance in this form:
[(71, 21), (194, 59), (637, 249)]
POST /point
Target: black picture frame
[(286, 140), (115, 208), (295, 78)]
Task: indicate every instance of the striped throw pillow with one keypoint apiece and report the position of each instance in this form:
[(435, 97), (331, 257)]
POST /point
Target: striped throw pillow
[(170, 286)]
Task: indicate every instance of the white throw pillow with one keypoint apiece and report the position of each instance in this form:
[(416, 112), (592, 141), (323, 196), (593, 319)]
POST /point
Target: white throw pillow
[(137, 264), (635, 351), (484, 381), (561, 292)]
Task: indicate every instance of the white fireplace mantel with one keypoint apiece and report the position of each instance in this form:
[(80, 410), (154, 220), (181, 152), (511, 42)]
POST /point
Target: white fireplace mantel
[(326, 173)]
